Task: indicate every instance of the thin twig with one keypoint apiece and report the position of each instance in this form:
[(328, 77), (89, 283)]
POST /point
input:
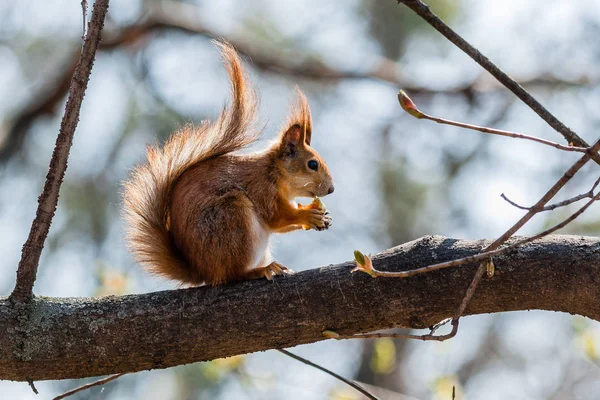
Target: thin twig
[(32, 249), (502, 132), (424, 12), (336, 376), (84, 10), (89, 385), (512, 203), (563, 203), (32, 386), (427, 337)]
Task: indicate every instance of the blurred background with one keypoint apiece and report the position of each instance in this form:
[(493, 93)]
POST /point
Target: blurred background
[(397, 178)]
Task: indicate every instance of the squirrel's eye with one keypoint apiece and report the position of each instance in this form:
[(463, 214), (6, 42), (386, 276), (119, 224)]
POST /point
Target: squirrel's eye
[(312, 164)]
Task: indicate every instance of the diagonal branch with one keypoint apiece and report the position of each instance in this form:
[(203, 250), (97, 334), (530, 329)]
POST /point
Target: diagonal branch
[(424, 12), (88, 386), (327, 371), (48, 200)]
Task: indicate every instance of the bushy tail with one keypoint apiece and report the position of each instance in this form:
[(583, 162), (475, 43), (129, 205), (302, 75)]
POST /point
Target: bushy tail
[(147, 192)]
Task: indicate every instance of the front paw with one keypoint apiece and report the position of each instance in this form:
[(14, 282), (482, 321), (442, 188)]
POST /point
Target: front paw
[(316, 219), (327, 222)]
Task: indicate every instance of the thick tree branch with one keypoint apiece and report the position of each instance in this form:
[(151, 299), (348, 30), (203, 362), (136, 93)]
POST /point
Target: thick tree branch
[(75, 338), (32, 249)]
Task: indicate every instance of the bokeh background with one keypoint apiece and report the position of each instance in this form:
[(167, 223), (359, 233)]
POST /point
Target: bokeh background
[(397, 178)]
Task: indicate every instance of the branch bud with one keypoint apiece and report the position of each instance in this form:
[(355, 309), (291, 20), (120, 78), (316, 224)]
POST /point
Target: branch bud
[(408, 105)]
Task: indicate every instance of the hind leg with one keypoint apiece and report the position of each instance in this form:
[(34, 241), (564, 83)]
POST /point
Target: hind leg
[(218, 240)]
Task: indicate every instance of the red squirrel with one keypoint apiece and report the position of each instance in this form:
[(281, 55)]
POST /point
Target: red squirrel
[(199, 214)]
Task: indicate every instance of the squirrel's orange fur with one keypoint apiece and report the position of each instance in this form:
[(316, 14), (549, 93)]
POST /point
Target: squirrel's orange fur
[(197, 213)]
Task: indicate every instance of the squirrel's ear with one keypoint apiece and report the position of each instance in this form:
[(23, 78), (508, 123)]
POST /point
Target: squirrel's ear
[(292, 139)]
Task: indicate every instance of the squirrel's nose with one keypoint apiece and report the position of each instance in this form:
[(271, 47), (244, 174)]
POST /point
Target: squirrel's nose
[(331, 189)]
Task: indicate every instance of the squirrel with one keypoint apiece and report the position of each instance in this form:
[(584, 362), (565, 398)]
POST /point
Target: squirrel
[(199, 213)]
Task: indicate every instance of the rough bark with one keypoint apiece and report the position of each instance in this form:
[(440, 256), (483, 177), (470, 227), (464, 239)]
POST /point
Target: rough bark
[(57, 338)]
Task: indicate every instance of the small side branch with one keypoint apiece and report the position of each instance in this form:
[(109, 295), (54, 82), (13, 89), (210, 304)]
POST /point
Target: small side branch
[(354, 385), (84, 11), (32, 249), (563, 203), (89, 385), (32, 386), (410, 107), (424, 12)]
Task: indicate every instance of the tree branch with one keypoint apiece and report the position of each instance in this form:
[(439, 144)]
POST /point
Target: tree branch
[(424, 12), (76, 338), (87, 386), (32, 249), (409, 106), (563, 203), (329, 372)]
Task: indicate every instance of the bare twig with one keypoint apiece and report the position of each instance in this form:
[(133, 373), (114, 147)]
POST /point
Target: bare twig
[(84, 10), (48, 200), (424, 12), (588, 194), (411, 108), (32, 386), (89, 385), (336, 376), (505, 133)]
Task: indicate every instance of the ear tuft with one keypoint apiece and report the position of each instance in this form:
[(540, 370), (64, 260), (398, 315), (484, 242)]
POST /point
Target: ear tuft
[(300, 115)]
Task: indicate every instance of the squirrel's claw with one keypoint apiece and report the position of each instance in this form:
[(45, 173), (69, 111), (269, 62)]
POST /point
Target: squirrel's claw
[(274, 269), (327, 222), (317, 220)]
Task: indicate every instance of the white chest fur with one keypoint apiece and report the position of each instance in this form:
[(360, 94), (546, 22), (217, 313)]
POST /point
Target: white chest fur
[(260, 237)]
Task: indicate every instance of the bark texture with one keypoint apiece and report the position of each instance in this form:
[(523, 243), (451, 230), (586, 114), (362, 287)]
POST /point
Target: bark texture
[(58, 338)]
